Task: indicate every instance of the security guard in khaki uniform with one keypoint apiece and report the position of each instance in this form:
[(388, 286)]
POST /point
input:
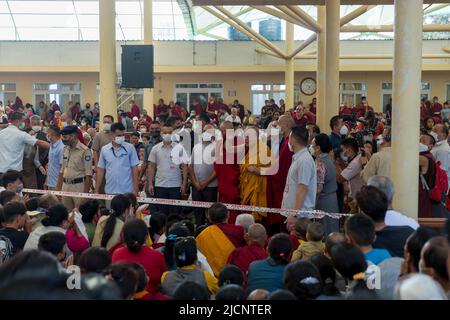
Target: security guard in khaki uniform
[(76, 169)]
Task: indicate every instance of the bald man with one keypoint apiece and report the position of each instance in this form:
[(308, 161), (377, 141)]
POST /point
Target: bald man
[(227, 171), (256, 238), (277, 182), (258, 294), (441, 150), (201, 171)]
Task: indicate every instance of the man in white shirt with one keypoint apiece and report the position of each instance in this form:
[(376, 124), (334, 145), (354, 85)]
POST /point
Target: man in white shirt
[(12, 144), (234, 118), (392, 218), (171, 175), (441, 150), (301, 184)]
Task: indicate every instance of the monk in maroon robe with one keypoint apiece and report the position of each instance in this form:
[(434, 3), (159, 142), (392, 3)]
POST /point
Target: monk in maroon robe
[(135, 111), (228, 172), (253, 251), (436, 109), (277, 182)]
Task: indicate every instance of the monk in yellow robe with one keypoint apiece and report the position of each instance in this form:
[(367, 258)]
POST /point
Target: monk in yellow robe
[(220, 239), (253, 181)]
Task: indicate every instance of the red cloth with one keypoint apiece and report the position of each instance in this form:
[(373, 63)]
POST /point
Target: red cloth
[(80, 136), (76, 243), (74, 111), (303, 121), (345, 110), (177, 110), (437, 107), (277, 182), (234, 233), (135, 111), (242, 257), (312, 108), (311, 117), (424, 112), (152, 261), (162, 110), (198, 109), (146, 296), (294, 242)]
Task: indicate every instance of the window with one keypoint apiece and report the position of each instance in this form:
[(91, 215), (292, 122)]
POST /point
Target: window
[(62, 93), (276, 91), (7, 92), (352, 92), (386, 92), (188, 93)]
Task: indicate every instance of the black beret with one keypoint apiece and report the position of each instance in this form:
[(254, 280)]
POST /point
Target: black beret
[(69, 130)]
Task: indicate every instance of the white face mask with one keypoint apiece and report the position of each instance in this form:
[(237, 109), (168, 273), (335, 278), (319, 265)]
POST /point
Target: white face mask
[(344, 157), (167, 137), (422, 148), (311, 150), (36, 128), (64, 124), (143, 129), (291, 149), (119, 140), (434, 135), (380, 141), (344, 130), (206, 136), (106, 126)]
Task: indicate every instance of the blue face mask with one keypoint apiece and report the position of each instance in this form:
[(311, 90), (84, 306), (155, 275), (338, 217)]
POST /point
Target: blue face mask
[(19, 188)]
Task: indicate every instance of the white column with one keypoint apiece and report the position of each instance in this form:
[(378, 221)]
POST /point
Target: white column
[(148, 40), (108, 95), (332, 59), (323, 117), (289, 71), (406, 96)]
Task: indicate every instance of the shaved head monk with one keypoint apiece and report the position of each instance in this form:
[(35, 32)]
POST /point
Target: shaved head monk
[(227, 173), (277, 182), (254, 250), (220, 239)]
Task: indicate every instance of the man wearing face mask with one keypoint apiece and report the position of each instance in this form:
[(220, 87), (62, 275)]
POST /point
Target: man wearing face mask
[(379, 164), (118, 164), (55, 157), (43, 153), (101, 139), (427, 179), (351, 174), (11, 180), (12, 144), (301, 184), (276, 182), (76, 170), (441, 150), (201, 171), (171, 177)]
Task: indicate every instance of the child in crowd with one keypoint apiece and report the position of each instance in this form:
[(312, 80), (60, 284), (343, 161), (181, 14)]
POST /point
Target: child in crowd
[(360, 231), (314, 243)]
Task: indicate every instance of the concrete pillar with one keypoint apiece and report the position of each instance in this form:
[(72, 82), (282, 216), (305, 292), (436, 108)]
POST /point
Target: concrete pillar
[(406, 96), (148, 40), (323, 117), (332, 60), (108, 76), (289, 72)]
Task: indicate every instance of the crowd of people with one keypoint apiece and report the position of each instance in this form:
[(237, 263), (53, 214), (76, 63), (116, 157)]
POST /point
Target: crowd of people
[(160, 251)]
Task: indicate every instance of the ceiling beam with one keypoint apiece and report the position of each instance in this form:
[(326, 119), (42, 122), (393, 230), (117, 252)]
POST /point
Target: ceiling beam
[(228, 18), (220, 22), (390, 28), (435, 8), (306, 17), (279, 14), (301, 2), (344, 20), (372, 56)]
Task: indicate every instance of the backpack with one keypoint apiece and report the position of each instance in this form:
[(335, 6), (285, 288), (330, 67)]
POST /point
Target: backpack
[(440, 186), (6, 249)]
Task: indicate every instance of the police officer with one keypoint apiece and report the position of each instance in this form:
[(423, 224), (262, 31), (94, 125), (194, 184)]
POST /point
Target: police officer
[(76, 169)]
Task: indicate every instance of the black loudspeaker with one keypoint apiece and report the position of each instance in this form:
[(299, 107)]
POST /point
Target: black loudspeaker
[(137, 66)]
